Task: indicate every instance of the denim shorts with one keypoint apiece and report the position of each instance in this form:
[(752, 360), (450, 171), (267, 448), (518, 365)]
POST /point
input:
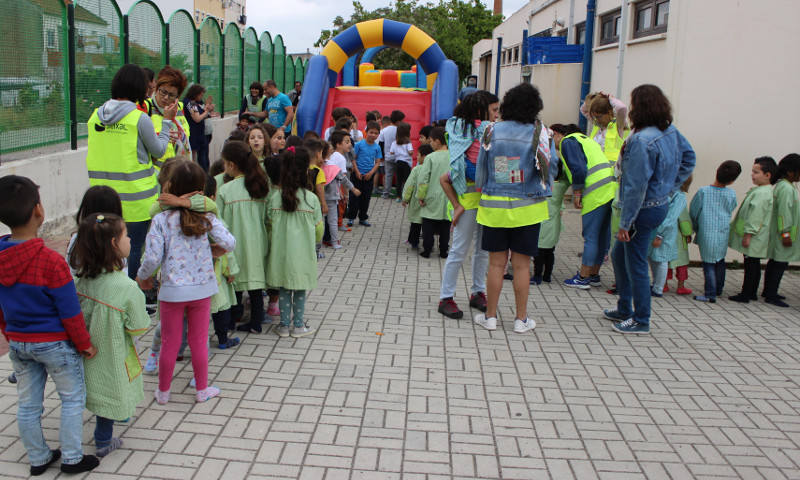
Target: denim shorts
[(524, 240)]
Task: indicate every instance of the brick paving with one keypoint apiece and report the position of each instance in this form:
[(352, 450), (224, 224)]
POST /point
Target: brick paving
[(389, 389)]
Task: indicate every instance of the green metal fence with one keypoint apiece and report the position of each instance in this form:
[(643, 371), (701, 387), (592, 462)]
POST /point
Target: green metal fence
[(59, 58)]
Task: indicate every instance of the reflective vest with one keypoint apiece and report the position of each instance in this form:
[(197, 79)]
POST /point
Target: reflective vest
[(112, 161), (613, 143), (600, 186), (157, 118), (469, 199), (257, 106), (508, 212)]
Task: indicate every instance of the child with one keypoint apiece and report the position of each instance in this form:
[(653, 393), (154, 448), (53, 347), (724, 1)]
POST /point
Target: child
[(242, 206), (783, 228), (244, 124), (368, 158), (336, 114), (257, 138), (113, 307), (335, 178), (401, 149), (409, 198), (683, 238), (42, 321), (750, 227), (295, 219), (178, 243), (317, 180), (277, 141), (97, 199), (385, 140), (423, 135), (432, 198), (342, 157), (664, 248), (711, 211)]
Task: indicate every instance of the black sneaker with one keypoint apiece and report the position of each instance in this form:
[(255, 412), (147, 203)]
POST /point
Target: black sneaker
[(448, 308), (739, 298), (478, 301)]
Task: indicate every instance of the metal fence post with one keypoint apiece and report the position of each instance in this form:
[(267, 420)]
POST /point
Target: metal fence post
[(197, 55), (73, 96), (166, 44), (125, 47), (222, 73)]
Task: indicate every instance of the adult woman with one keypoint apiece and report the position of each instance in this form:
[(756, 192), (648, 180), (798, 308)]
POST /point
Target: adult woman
[(609, 122), (122, 141), (254, 105), (656, 160), (170, 83), (196, 111), (513, 176)]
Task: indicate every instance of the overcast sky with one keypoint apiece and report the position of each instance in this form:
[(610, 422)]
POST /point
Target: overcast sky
[(299, 22)]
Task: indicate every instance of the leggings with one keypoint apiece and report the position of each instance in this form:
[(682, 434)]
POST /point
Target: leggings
[(292, 302), (681, 273), (543, 263), (256, 307), (222, 323), (155, 347), (197, 313)]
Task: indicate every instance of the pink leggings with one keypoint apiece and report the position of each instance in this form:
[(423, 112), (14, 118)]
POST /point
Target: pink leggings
[(682, 273), (197, 315)]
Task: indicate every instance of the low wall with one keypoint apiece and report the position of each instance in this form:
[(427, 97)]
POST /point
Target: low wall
[(62, 177)]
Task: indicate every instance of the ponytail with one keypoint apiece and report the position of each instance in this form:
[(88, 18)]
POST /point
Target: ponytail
[(189, 177), (294, 168), (255, 180)]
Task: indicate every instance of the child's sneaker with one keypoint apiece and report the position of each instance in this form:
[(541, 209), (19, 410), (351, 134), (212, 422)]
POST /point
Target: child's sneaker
[(282, 331), (112, 445), (489, 323), (304, 331), (320, 255), (364, 223), (273, 310), (578, 282), (12, 378), (478, 300), (536, 280), (594, 280), (232, 342), (207, 394), (337, 246), (161, 397), (152, 363), (522, 327), (350, 223), (345, 229), (703, 298), (327, 244), (683, 291)]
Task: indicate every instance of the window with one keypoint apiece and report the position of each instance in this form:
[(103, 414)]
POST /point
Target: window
[(544, 33), (609, 27), (51, 39), (580, 33), (516, 54), (650, 18)]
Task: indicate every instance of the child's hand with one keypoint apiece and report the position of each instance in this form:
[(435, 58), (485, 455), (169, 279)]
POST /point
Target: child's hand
[(356, 192), (656, 242), (404, 203), (746, 240), (786, 240), (457, 211), (217, 251), (231, 278), (368, 177), (89, 352), (173, 201), (324, 209), (422, 203), (145, 284)]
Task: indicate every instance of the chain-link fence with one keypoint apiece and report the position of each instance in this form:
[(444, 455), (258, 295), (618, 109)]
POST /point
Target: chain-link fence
[(57, 60)]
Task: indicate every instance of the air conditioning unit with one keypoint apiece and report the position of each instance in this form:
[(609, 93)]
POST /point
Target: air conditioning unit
[(243, 19)]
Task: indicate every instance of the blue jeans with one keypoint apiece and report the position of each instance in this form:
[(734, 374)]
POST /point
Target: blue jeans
[(32, 363), (137, 232), (103, 431), (466, 233), (659, 270), (596, 235), (630, 265), (714, 274)]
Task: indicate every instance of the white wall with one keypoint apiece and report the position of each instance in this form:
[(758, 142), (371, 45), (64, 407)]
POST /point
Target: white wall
[(167, 7), (62, 178), (556, 83)]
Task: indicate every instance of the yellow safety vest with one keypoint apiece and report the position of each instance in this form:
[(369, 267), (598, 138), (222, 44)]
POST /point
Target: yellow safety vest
[(509, 212), (258, 106), (613, 143), (157, 119), (469, 200), (600, 186), (112, 161)]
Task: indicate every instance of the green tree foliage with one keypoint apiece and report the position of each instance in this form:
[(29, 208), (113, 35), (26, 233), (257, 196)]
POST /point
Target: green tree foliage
[(456, 25)]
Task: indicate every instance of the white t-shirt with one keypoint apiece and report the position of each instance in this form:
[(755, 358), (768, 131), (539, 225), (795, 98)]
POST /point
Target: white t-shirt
[(355, 135), (387, 136), (402, 153), (339, 160)]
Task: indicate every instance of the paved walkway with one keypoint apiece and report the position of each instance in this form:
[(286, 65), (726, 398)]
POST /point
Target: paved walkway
[(388, 389)]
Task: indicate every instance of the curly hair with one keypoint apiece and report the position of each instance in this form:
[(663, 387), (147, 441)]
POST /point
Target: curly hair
[(649, 108), (475, 106), (172, 77), (521, 104)]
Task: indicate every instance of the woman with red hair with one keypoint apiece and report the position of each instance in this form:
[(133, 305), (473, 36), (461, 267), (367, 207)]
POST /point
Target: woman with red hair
[(170, 84)]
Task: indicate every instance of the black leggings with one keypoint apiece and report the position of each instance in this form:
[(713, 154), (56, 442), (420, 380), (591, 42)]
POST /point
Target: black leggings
[(543, 263), (403, 171), (256, 307), (222, 323), (435, 227), (414, 233)]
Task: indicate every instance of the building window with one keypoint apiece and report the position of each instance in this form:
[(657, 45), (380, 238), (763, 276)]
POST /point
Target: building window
[(580, 33), (544, 33), (651, 18), (609, 27), (51, 39), (516, 54)]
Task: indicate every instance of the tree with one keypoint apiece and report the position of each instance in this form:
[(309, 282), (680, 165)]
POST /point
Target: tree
[(456, 25)]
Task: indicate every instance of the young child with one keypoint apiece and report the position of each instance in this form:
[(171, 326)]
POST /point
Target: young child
[(432, 198), (410, 198), (385, 139), (178, 243), (242, 205), (257, 139), (711, 211), (664, 248), (783, 228), (401, 149), (368, 158), (335, 178), (751, 225), (317, 180), (295, 219), (42, 321), (337, 114), (683, 239), (423, 135), (97, 199), (113, 307)]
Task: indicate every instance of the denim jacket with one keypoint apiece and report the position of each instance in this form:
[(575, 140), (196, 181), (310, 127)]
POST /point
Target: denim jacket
[(654, 165), (507, 164)]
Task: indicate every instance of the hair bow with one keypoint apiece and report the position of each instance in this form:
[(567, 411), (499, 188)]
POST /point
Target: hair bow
[(291, 149)]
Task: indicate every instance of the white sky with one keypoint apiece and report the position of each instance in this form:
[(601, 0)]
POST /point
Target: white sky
[(299, 22)]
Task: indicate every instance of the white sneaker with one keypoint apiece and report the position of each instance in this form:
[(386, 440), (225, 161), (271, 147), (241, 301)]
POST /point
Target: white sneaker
[(337, 246), (522, 327), (489, 323)]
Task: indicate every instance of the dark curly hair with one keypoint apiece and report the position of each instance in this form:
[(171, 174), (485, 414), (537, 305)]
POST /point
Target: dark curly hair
[(649, 108), (474, 107), (521, 104)]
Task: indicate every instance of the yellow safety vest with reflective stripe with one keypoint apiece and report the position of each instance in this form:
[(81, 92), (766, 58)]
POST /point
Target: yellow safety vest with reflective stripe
[(509, 212), (600, 186), (257, 106), (469, 200), (112, 161), (613, 143), (157, 119)]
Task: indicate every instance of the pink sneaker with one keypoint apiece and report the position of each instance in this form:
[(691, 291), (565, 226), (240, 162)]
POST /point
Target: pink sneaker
[(273, 310), (207, 394), (162, 397)]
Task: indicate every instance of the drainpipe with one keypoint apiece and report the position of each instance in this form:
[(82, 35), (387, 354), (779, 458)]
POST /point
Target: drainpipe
[(571, 27), (586, 78), (623, 36), (497, 71)]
